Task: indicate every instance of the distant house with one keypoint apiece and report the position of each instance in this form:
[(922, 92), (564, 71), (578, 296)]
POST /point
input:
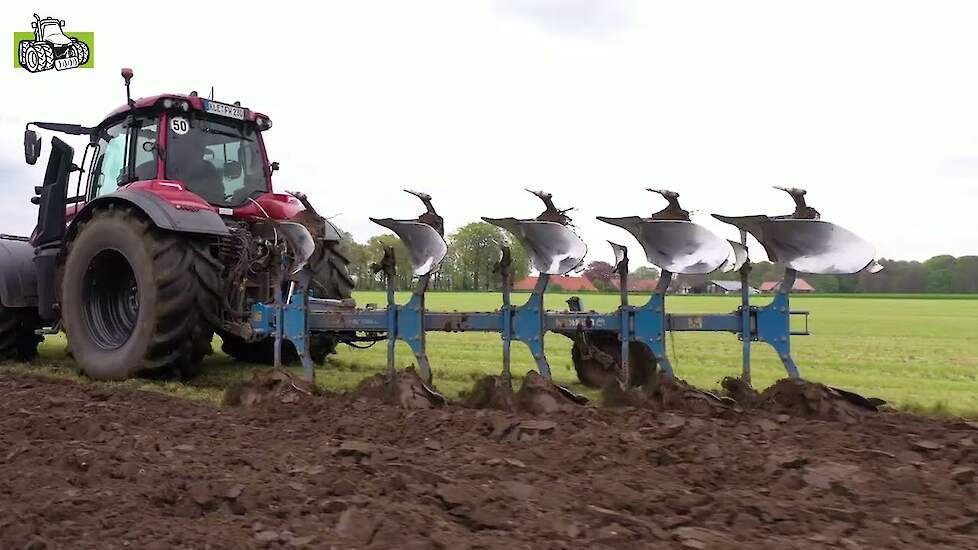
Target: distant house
[(686, 284), (801, 285), (721, 287), (566, 282), (638, 285)]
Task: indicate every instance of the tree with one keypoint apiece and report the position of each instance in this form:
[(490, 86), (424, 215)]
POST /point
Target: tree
[(964, 274), (374, 252), (644, 273), (476, 249), (939, 273), (359, 268), (599, 272)]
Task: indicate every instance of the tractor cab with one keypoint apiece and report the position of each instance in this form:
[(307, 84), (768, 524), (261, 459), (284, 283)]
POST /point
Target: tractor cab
[(50, 30), (211, 149), (193, 152)]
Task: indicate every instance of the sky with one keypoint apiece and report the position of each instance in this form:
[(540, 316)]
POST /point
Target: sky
[(871, 106)]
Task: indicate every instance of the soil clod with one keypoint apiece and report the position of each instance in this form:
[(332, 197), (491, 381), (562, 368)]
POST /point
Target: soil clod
[(491, 392), (268, 386), (664, 393), (405, 389)]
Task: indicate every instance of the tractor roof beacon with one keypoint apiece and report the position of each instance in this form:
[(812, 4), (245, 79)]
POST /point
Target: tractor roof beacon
[(51, 48), (168, 232)]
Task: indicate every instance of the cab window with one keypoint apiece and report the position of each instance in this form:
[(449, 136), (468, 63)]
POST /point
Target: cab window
[(146, 160), (217, 158), (109, 164)]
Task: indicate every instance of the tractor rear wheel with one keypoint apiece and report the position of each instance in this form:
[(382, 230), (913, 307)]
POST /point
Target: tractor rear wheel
[(137, 299), (39, 56), (597, 359), (18, 341)]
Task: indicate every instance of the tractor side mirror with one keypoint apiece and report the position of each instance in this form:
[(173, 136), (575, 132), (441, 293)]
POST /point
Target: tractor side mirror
[(62, 22), (232, 170), (273, 166), (32, 147)]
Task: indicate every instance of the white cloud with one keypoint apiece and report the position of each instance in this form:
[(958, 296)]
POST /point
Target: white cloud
[(862, 103), (589, 18)]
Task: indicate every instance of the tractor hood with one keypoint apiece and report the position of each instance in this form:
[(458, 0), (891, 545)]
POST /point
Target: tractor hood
[(275, 206)]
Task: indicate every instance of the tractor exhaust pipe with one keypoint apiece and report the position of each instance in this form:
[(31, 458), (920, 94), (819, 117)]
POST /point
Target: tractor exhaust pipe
[(127, 76)]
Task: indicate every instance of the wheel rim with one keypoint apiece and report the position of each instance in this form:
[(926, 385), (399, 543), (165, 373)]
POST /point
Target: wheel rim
[(31, 60), (111, 297)]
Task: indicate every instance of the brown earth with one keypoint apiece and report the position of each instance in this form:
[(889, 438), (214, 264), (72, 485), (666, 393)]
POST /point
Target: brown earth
[(84, 466)]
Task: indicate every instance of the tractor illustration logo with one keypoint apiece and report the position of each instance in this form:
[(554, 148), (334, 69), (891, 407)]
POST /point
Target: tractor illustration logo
[(50, 47)]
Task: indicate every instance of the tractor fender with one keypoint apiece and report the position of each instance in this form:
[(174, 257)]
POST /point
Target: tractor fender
[(162, 213), (18, 279)]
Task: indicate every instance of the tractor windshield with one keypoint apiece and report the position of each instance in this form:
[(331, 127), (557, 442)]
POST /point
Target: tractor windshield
[(219, 159), (49, 29)]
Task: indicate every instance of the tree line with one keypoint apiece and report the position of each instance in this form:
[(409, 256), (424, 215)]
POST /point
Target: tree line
[(474, 249), (473, 252), (938, 275)]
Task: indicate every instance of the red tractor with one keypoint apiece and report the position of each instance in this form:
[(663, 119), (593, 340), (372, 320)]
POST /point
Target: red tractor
[(167, 235)]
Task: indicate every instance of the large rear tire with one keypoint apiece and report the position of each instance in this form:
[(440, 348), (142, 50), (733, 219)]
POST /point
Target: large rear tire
[(597, 357), (137, 299), (331, 280), (18, 341), (39, 57)]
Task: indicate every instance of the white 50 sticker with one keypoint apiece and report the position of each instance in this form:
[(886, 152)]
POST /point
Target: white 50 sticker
[(179, 125)]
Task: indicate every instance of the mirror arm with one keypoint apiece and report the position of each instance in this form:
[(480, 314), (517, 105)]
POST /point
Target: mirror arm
[(64, 128)]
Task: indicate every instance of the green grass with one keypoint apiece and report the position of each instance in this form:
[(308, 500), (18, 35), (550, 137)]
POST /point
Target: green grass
[(919, 354)]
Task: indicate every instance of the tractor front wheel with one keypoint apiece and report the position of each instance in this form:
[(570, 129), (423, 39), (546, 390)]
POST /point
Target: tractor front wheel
[(136, 298), (262, 352), (331, 279)]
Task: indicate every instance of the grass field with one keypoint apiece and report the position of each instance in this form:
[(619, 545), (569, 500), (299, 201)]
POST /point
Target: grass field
[(918, 353)]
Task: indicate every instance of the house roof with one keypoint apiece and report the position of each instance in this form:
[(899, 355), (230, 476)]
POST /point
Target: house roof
[(573, 284), (730, 286), (800, 284), (637, 285)]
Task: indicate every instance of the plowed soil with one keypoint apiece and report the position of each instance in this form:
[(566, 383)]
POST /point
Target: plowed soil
[(84, 466)]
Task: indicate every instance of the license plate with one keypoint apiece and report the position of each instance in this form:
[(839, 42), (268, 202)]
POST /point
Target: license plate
[(223, 109)]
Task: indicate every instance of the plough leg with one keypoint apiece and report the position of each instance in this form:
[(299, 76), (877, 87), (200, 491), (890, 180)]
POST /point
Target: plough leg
[(650, 323), (528, 325), (774, 324)]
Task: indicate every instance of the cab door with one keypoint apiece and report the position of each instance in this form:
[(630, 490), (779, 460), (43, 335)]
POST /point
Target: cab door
[(124, 155)]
